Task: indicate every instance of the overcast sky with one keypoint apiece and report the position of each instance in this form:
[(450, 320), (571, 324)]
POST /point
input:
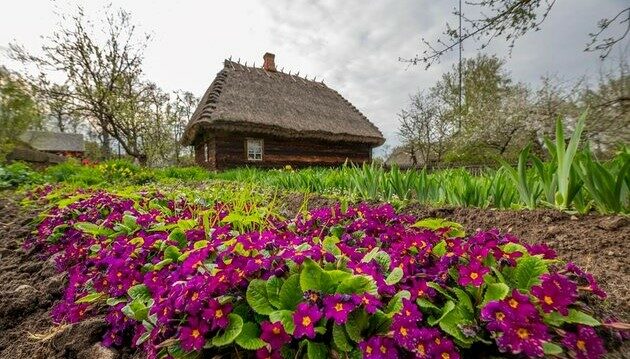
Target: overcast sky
[(354, 45)]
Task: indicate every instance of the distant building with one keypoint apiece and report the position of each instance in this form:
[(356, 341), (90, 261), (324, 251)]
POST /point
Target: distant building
[(62, 144), (259, 116), (402, 158)]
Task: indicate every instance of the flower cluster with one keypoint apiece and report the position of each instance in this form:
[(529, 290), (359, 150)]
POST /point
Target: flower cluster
[(175, 276)]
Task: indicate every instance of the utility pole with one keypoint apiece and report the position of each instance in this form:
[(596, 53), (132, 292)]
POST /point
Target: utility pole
[(460, 62)]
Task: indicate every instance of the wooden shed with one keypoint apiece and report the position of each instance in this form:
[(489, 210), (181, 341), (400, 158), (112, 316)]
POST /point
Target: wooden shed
[(258, 116)]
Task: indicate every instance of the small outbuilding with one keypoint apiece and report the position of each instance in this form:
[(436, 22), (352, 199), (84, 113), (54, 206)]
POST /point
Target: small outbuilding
[(259, 116), (62, 144)]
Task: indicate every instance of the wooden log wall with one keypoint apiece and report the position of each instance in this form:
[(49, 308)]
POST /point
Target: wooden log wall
[(230, 151)]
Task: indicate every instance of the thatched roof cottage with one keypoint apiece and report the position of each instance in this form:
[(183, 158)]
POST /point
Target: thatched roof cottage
[(63, 144), (264, 117)]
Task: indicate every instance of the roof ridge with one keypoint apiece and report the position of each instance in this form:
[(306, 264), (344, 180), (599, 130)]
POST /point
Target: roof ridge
[(237, 66)]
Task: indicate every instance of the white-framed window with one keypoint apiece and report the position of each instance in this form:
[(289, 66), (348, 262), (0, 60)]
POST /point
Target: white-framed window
[(254, 149)]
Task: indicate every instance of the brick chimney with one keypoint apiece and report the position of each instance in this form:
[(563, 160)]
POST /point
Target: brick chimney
[(269, 64)]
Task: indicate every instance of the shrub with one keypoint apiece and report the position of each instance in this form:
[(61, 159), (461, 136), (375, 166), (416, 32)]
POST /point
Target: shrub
[(18, 174), (177, 279)]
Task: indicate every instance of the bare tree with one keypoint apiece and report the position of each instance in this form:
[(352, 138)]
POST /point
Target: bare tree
[(425, 129), (510, 20), (103, 79)]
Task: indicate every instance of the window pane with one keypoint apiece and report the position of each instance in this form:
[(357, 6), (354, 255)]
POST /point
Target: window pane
[(254, 149)]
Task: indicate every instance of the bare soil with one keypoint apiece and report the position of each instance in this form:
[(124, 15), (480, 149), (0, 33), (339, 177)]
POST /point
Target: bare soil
[(30, 285)]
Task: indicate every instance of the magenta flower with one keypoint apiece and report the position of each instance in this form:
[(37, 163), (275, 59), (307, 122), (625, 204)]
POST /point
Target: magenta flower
[(265, 353), (444, 349), (585, 344), (369, 302), (525, 338), (378, 347), (405, 333), (274, 334), (496, 313), (556, 292), (191, 336), (520, 307), (305, 318), (337, 307), (217, 314), (473, 273)]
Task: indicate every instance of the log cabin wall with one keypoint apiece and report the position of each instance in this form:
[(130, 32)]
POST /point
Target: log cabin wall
[(205, 152), (230, 150)]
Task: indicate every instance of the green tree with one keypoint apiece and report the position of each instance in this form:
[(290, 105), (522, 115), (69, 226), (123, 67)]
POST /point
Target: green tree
[(18, 110)]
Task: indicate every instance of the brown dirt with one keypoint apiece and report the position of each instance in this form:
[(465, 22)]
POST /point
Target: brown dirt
[(29, 286)]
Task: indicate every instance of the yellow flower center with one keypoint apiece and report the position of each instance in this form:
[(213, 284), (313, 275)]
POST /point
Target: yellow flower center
[(195, 333), (218, 313), (403, 331), (195, 296), (446, 356), (500, 316), (513, 303), (368, 349), (306, 321), (339, 307), (383, 349), (581, 345), (474, 275), (420, 349), (548, 300), (437, 341), (522, 333), (275, 330)]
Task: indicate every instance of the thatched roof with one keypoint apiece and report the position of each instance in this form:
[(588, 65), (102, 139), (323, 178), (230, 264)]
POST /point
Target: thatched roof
[(257, 100), (54, 141)]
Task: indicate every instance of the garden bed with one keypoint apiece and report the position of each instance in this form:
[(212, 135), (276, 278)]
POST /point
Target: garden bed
[(30, 286)]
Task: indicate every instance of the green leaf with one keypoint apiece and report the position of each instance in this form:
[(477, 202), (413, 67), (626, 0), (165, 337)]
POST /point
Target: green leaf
[(338, 275), (340, 338), (495, 291), (379, 323), (92, 297), (249, 337), (230, 333), (383, 260), (450, 323), (113, 301), (514, 247), (578, 317), (456, 229), (395, 304), (464, 305), (136, 309), (139, 291), (316, 350), (440, 290), (448, 307), (285, 317), (330, 245), (440, 249), (395, 276), (313, 277), (551, 348), (358, 284), (172, 253), (528, 270), (370, 255), (356, 324), (291, 294), (274, 285), (257, 298), (426, 304)]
